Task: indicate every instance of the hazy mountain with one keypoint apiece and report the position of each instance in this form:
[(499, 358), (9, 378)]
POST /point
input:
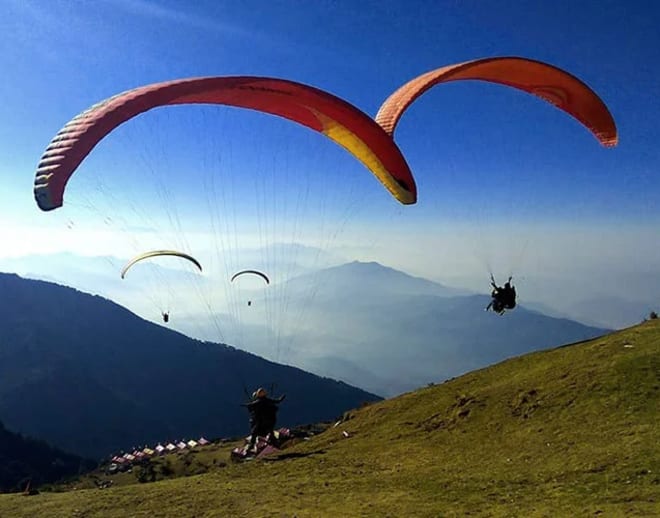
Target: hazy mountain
[(384, 330), (363, 323), (91, 377), (389, 332), (613, 299), (359, 278), (617, 311), (594, 298), (100, 274)]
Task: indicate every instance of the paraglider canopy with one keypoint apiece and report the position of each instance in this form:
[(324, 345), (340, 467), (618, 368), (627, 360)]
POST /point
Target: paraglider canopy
[(158, 253), (550, 83), (320, 111), (253, 272)]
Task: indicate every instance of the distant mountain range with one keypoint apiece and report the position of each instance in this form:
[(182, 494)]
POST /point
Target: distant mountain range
[(90, 377), (389, 332)]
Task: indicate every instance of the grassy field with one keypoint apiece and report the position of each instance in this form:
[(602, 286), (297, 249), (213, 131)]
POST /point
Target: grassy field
[(573, 431)]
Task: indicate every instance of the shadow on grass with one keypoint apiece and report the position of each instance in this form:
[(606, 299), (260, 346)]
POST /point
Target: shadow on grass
[(285, 456)]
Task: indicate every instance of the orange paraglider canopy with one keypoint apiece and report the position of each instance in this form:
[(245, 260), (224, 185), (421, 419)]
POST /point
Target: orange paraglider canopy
[(565, 91), (320, 111)]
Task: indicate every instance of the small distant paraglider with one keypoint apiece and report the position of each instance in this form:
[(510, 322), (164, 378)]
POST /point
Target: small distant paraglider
[(158, 253), (253, 272)]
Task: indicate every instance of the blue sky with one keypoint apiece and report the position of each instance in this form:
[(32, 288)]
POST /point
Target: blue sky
[(60, 57), (480, 153)]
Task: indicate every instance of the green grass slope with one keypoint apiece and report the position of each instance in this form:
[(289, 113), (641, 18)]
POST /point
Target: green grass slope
[(573, 431)]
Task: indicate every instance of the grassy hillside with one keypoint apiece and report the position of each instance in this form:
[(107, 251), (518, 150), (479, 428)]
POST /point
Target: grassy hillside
[(573, 431)]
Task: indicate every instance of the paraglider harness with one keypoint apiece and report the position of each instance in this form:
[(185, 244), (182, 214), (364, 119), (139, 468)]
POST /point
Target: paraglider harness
[(263, 417), (504, 298)]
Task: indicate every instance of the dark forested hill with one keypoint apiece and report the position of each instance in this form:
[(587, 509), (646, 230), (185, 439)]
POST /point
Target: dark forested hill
[(88, 376), (27, 463)]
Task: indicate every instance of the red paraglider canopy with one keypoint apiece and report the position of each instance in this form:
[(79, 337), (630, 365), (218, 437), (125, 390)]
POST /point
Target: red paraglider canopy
[(323, 112), (563, 90)]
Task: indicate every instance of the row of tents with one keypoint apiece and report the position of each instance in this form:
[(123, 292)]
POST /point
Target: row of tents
[(125, 460)]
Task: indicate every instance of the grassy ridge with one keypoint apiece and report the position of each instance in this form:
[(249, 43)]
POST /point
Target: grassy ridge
[(573, 431)]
